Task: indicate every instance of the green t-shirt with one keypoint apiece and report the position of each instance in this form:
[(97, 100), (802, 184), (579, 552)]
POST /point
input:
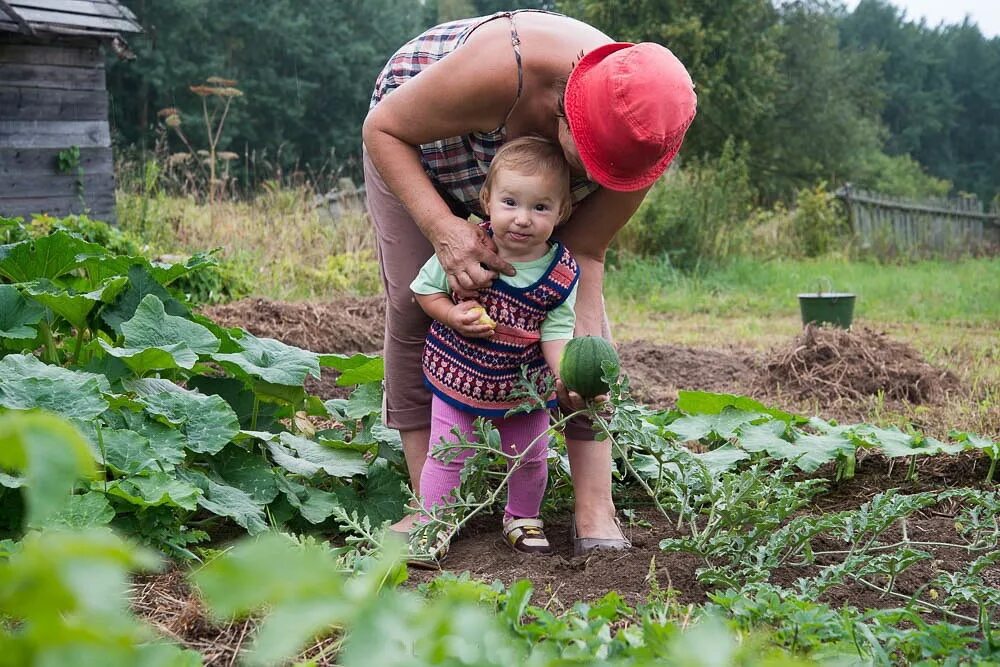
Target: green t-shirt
[(557, 325)]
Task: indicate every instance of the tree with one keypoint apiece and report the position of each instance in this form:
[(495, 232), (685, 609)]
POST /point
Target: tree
[(307, 68), (730, 49)]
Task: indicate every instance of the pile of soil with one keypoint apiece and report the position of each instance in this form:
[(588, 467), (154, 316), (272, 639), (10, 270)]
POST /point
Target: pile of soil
[(833, 365), (343, 326)]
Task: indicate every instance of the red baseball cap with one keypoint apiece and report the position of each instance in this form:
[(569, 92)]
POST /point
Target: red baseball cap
[(628, 107)]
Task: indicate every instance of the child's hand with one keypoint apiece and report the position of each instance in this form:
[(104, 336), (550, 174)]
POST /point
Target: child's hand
[(572, 400), (467, 318)]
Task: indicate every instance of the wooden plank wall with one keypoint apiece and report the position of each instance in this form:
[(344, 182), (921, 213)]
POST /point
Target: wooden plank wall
[(947, 227), (53, 97)]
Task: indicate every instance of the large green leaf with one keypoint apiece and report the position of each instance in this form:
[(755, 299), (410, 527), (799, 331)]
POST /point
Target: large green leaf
[(152, 326), (305, 457), (18, 315), (252, 413), (384, 497), (71, 305), (766, 437), (46, 257), (271, 361), (140, 284), (708, 403), (722, 459), (50, 453), (363, 401), (248, 471), (154, 489), (125, 452), (810, 451), (26, 382), (723, 425), (142, 360), (166, 440), (207, 422), (225, 500), (315, 505), (84, 511), (356, 369), (990, 447)]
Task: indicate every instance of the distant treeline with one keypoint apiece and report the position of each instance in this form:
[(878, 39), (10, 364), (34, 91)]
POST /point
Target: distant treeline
[(807, 91)]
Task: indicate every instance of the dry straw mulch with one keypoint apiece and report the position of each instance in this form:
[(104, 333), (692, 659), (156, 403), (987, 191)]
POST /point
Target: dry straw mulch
[(837, 365)]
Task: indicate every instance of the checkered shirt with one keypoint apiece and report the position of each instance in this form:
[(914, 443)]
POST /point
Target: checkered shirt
[(458, 165)]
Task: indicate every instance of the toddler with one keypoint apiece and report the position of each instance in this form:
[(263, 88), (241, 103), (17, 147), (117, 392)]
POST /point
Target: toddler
[(472, 363)]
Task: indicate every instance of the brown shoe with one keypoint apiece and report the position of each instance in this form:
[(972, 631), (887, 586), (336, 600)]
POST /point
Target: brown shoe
[(526, 536), (585, 545)]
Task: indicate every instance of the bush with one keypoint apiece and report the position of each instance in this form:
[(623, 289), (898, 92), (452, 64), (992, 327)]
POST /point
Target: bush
[(696, 215), (818, 223), (899, 176), (115, 240)]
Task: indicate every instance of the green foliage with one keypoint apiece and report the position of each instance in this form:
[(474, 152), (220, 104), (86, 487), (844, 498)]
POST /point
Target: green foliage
[(155, 392), (941, 103), (819, 223), (899, 176), (280, 54), (697, 215)]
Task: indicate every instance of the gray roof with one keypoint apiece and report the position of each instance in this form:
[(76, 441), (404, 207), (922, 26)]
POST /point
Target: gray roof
[(97, 18)]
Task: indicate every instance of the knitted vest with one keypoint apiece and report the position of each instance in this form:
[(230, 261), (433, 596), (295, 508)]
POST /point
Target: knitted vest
[(478, 374)]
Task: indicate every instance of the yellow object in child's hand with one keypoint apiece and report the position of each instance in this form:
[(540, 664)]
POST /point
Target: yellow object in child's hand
[(483, 317)]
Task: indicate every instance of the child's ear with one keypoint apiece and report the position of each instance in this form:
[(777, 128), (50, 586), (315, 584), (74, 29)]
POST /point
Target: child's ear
[(484, 201)]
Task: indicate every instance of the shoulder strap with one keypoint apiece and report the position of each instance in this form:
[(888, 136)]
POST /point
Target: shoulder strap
[(515, 42)]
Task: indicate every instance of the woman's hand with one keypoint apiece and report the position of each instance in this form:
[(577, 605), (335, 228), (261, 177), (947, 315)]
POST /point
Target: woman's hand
[(464, 317), (469, 257)]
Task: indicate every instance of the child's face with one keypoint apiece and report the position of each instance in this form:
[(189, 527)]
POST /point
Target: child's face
[(524, 209)]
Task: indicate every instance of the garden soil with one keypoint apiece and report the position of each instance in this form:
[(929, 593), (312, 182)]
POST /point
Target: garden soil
[(840, 372), (837, 374)]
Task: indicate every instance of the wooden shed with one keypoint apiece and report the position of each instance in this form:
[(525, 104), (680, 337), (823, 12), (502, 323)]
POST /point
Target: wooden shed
[(54, 105)]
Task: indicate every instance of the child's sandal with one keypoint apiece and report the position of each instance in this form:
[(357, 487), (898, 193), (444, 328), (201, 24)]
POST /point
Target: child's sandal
[(526, 536)]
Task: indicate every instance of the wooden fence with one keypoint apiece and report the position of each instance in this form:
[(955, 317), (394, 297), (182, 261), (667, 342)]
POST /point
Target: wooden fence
[(932, 226)]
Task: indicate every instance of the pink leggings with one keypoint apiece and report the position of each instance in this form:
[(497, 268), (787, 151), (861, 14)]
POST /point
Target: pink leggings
[(527, 483)]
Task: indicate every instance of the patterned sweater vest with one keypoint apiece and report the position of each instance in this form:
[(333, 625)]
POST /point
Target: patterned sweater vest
[(477, 375)]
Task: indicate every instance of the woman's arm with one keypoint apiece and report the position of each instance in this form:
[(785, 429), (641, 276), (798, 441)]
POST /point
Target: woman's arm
[(469, 90), (588, 234)]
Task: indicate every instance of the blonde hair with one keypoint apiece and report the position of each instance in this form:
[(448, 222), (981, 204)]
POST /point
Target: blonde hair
[(529, 155)]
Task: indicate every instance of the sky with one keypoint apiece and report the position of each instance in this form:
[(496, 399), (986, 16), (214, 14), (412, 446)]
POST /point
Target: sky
[(985, 13)]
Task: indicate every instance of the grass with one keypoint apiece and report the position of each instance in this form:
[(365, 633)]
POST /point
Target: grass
[(948, 311), (286, 247), (966, 291)]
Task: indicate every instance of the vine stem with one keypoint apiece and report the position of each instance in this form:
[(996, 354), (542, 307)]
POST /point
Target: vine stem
[(911, 598), (79, 344), (903, 543)]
